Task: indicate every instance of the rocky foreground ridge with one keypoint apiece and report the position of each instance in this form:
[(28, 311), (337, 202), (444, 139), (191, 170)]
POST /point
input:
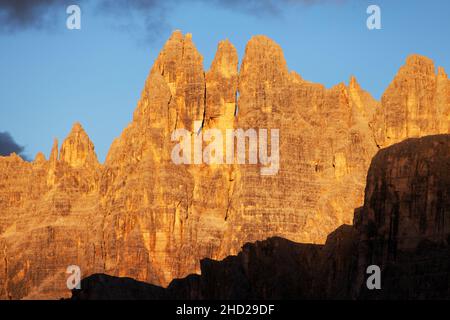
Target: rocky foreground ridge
[(139, 215)]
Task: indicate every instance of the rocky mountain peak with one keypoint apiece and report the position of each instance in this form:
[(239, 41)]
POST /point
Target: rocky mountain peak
[(40, 158), (221, 86), (353, 83), (226, 60), (417, 68), (179, 52), (441, 73), (77, 149), (263, 59), (54, 152), (419, 64), (411, 101), (181, 66)]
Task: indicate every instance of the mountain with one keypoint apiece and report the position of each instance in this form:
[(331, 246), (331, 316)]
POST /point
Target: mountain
[(140, 215), (402, 227)]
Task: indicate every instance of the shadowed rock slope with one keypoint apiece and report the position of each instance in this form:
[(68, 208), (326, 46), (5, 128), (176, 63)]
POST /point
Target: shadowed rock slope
[(139, 215)]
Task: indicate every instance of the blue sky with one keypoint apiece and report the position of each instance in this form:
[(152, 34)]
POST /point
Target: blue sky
[(52, 77)]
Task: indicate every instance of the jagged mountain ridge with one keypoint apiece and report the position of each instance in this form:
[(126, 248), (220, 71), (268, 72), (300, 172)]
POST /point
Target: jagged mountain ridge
[(139, 215)]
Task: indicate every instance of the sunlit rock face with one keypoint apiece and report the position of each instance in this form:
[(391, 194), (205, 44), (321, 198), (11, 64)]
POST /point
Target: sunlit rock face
[(141, 215), (402, 228), (50, 218), (416, 103)]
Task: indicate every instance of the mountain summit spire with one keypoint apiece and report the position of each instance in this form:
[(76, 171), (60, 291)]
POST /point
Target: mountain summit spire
[(77, 149)]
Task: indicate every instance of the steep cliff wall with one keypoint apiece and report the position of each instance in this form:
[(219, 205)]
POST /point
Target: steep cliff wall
[(404, 225), (140, 215), (403, 228)]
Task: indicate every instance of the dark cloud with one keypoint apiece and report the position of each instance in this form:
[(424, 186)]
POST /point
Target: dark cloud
[(152, 14), (264, 7), (254, 7), (8, 145), (148, 18), (26, 14)]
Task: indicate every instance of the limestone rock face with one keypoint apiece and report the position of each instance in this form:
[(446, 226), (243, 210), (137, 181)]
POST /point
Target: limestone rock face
[(221, 87), (181, 66), (403, 228), (78, 150), (143, 216), (415, 104), (325, 147)]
